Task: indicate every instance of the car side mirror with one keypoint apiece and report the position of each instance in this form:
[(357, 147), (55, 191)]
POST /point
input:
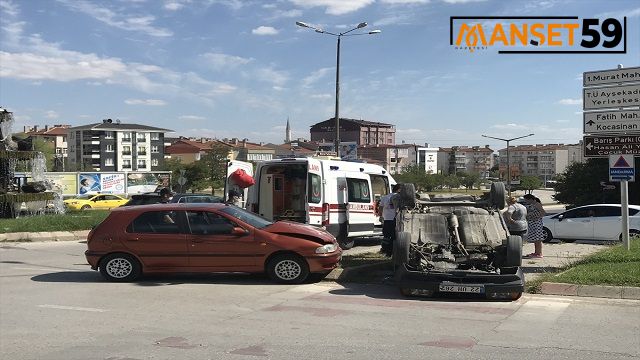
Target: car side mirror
[(238, 231), (560, 217)]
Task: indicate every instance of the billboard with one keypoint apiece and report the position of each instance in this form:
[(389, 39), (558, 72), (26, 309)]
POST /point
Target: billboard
[(141, 182), (112, 183), (349, 151), (64, 183), (89, 183)]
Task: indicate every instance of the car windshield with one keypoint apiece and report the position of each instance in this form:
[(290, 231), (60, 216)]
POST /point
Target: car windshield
[(243, 215)]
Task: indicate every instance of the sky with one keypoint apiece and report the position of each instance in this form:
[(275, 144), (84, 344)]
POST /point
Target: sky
[(234, 68)]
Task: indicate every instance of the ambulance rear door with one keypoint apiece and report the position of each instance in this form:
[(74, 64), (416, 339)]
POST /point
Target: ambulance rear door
[(317, 209)]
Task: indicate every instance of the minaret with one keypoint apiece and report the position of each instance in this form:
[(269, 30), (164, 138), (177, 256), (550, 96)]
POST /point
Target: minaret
[(288, 134)]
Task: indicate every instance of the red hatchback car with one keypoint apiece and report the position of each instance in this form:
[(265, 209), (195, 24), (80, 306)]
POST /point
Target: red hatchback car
[(202, 237)]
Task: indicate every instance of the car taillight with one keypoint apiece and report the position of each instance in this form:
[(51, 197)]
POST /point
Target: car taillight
[(325, 214)]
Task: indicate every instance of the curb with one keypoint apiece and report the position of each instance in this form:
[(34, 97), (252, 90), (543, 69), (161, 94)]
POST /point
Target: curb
[(611, 292), (44, 236), (340, 274)]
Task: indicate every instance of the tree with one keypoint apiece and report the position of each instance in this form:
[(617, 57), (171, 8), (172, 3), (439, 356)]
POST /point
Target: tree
[(530, 183), (216, 162), (175, 166), (452, 181), (581, 184), (469, 180)]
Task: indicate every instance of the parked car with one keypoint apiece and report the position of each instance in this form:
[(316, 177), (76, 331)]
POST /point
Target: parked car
[(155, 198), (143, 199), (95, 201), (205, 237), (590, 222), (195, 198)]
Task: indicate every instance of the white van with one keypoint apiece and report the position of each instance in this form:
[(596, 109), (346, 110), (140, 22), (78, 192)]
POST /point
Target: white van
[(340, 196)]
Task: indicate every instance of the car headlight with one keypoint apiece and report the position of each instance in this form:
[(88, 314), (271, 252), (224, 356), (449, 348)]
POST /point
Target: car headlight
[(325, 249)]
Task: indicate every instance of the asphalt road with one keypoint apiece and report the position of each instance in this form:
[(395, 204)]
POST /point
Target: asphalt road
[(53, 307)]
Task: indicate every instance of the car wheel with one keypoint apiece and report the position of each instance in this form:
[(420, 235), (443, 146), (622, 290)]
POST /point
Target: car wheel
[(288, 269), (401, 248), (85, 207), (514, 252), (343, 238), (632, 233), (120, 267), (548, 236), (497, 195)]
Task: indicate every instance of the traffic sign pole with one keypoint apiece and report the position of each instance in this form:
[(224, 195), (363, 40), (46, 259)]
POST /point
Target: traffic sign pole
[(624, 197)]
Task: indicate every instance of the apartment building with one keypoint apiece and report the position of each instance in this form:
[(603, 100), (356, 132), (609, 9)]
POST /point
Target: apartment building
[(394, 158), (57, 136), (362, 132), (115, 146), (469, 159), (543, 161)]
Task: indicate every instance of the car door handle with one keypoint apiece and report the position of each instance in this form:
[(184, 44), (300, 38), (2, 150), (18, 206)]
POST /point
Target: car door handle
[(133, 239)]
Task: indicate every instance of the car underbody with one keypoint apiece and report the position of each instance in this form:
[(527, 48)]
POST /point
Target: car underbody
[(457, 247)]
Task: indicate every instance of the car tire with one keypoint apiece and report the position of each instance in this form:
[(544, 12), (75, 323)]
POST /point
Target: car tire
[(513, 258), (548, 236), (343, 238), (497, 196), (288, 269), (85, 207), (632, 233), (120, 267), (401, 247)]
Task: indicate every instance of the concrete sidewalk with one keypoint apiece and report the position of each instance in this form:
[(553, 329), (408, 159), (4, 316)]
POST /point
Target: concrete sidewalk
[(44, 236)]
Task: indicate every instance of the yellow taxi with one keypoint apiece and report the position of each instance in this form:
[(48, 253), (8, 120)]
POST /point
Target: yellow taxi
[(95, 201)]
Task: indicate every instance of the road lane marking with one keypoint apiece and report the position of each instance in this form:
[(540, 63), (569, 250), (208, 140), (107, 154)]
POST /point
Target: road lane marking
[(62, 307)]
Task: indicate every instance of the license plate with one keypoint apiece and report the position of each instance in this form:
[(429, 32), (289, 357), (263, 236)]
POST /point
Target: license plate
[(473, 289)]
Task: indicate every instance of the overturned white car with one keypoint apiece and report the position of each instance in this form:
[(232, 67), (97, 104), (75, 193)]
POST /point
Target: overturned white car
[(454, 246)]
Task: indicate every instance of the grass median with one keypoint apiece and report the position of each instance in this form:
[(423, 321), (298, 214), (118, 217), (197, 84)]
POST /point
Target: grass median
[(83, 220), (615, 266), (378, 265)]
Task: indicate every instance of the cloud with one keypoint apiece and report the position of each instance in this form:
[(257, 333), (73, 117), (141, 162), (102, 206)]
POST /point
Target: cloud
[(192, 118), (221, 89), (173, 5), (461, 1), (219, 61), (321, 96), (334, 7), (264, 30), (51, 114), (315, 76), (620, 14), (270, 75), (279, 14), (510, 126), (141, 24), (570, 101), (405, 2), (147, 102)]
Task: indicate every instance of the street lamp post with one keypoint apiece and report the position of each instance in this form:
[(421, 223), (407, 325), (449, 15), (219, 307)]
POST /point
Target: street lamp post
[(508, 159), (339, 36)]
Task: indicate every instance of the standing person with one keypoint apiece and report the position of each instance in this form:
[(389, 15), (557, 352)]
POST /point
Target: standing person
[(234, 198), (165, 195), (516, 217), (389, 210), (535, 234)]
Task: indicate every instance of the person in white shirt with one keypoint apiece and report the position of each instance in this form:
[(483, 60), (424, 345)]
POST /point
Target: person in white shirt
[(389, 209)]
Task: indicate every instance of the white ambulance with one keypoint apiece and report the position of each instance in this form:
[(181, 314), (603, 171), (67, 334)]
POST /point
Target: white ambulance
[(341, 196)]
